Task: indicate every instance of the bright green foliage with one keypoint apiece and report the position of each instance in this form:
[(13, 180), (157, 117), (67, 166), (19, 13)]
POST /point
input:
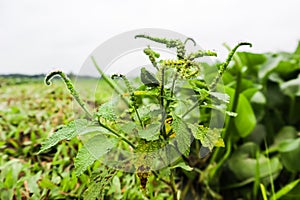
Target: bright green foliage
[(245, 120), (67, 132), (161, 135), (285, 190), (263, 95)]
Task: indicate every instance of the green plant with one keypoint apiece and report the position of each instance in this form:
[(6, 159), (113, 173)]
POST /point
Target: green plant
[(155, 124)]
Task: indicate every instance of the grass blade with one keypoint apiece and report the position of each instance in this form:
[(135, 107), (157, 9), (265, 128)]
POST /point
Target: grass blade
[(286, 189)]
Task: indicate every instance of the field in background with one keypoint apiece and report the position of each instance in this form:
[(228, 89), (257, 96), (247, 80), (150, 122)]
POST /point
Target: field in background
[(29, 112)]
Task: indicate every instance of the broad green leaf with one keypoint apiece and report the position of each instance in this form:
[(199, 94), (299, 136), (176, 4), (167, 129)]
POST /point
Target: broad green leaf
[(92, 151), (245, 120), (209, 138), (183, 135), (289, 150), (286, 132), (292, 87), (251, 60), (286, 189), (258, 98), (150, 133), (65, 133), (243, 163), (289, 145), (107, 111), (271, 63)]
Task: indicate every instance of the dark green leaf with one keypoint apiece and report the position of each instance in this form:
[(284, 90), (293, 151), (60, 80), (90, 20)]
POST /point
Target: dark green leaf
[(243, 163), (289, 150), (245, 120)]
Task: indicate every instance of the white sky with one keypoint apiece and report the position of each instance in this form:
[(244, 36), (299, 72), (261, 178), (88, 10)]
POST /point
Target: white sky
[(37, 36)]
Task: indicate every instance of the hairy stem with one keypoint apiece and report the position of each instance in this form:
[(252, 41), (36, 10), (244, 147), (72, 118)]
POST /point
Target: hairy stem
[(224, 66), (163, 111), (230, 123), (173, 185), (111, 83), (70, 87), (116, 134), (132, 96)]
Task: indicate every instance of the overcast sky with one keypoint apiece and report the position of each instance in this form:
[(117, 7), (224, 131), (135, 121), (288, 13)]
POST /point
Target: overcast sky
[(37, 36)]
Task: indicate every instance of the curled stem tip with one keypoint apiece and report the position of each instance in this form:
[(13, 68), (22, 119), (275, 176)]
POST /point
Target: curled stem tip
[(189, 39), (51, 75), (226, 63), (70, 87)]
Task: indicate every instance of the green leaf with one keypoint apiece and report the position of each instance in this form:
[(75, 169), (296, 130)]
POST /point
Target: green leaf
[(289, 150), (107, 111), (289, 145), (209, 138), (100, 179), (245, 120), (65, 133), (243, 163), (271, 63), (286, 189), (150, 133), (182, 165), (183, 135), (92, 151), (148, 78), (292, 87)]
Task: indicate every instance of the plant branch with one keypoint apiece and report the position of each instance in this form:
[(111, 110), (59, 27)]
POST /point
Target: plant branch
[(70, 87), (116, 134), (132, 96), (111, 83), (224, 66)]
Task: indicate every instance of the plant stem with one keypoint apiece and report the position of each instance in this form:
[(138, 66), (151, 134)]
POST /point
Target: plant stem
[(173, 185), (163, 111), (111, 83), (230, 124), (195, 105), (116, 134), (224, 66), (70, 87)]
